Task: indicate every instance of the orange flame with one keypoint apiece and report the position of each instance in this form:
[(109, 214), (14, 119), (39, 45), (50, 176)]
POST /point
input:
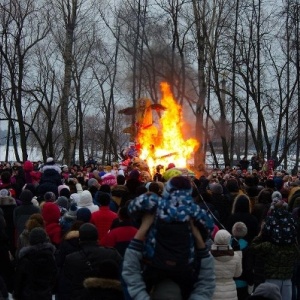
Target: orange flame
[(166, 145)]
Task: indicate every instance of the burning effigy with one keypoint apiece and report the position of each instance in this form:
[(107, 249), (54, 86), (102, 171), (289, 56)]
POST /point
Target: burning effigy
[(161, 142)]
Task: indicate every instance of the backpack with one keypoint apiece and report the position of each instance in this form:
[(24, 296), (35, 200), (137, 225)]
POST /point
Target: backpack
[(280, 227), (173, 250)]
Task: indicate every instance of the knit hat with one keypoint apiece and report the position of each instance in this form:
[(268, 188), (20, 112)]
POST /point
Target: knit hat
[(222, 237), (26, 196), (37, 236), (83, 214), (62, 202), (268, 291), (88, 232), (166, 289), (49, 197), (216, 188), (239, 229)]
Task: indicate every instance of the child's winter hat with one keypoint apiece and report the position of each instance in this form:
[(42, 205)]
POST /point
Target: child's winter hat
[(239, 230), (222, 237)]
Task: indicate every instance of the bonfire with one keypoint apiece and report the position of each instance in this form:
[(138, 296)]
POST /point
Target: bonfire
[(163, 143)]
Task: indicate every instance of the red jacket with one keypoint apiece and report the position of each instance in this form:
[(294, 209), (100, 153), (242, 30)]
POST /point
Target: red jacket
[(102, 219)]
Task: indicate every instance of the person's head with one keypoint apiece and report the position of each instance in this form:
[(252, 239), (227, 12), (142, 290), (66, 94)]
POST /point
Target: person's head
[(177, 183), (26, 196), (121, 179), (265, 196), (5, 177), (105, 188), (93, 182), (241, 203), (103, 199), (37, 236), (239, 230), (35, 220), (222, 237), (49, 197), (88, 233), (83, 214)]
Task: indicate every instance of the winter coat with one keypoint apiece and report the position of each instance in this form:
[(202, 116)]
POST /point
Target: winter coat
[(135, 285), (69, 244), (228, 264), (102, 219), (49, 182), (86, 200), (21, 214), (120, 237), (6, 266), (51, 215), (81, 264), (8, 204), (279, 259), (35, 273)]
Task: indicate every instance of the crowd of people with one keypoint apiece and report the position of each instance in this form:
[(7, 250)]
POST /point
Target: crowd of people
[(110, 232)]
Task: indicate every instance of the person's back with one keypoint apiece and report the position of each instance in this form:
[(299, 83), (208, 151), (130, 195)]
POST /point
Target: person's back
[(82, 264), (103, 218), (228, 264), (22, 213), (169, 246), (36, 269)]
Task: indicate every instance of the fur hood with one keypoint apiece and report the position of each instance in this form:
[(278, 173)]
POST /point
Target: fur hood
[(7, 200), (72, 235), (102, 283)]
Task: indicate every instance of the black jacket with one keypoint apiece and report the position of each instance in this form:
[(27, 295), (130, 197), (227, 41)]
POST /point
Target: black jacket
[(83, 264), (35, 273)]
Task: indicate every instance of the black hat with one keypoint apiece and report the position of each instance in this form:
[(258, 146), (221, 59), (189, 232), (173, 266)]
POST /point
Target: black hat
[(88, 232), (83, 214), (37, 236), (26, 196)]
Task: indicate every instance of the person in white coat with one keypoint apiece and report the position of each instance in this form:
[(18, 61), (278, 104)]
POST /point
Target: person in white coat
[(228, 264)]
